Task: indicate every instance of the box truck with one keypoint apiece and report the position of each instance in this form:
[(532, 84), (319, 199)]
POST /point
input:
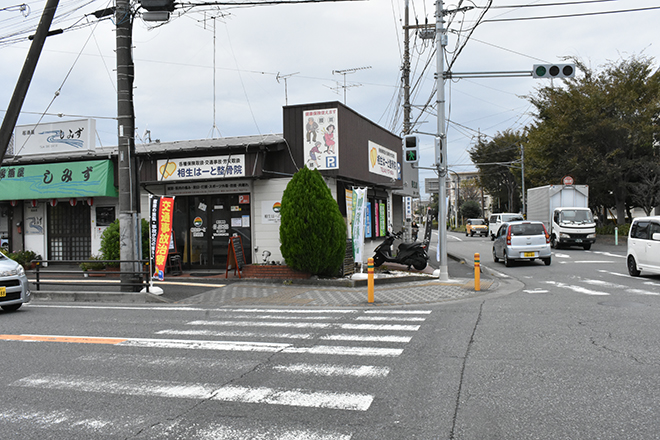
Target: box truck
[(564, 209)]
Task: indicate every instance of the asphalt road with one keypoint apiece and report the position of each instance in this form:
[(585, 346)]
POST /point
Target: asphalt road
[(563, 351)]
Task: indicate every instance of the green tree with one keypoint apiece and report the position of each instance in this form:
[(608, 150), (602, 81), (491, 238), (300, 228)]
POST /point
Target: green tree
[(498, 175), (598, 128), (470, 209), (110, 241), (312, 230)]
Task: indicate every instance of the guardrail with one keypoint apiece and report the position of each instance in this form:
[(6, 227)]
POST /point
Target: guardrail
[(62, 272)]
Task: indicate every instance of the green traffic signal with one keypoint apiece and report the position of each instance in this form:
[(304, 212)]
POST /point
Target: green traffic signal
[(540, 71), (411, 156)]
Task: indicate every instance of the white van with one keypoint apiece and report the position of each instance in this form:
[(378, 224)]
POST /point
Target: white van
[(644, 246), (496, 220)]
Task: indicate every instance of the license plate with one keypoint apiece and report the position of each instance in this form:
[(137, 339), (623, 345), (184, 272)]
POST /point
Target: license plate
[(3, 291), (529, 254), (578, 240)]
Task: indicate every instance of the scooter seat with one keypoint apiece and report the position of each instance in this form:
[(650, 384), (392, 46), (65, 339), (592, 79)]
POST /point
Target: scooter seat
[(403, 246)]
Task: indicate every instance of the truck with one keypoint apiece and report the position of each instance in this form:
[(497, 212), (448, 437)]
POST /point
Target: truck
[(564, 210)]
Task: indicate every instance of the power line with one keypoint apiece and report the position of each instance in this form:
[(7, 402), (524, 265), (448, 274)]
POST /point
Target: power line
[(583, 14)]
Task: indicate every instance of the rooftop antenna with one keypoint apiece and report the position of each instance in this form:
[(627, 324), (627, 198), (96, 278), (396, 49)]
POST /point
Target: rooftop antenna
[(345, 72), (215, 128), (285, 77)]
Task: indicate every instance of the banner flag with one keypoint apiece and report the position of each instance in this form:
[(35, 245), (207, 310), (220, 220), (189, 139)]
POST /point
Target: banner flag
[(162, 210), (358, 224)]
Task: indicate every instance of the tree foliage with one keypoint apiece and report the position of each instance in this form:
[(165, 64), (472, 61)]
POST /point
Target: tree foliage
[(599, 128), (470, 209), (110, 241), (312, 230), (499, 170)]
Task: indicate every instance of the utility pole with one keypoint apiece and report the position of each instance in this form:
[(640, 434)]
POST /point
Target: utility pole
[(522, 163), (406, 72), (129, 187), (441, 142), (23, 83)]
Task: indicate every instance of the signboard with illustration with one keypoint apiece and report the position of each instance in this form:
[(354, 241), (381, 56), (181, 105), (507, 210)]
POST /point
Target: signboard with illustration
[(383, 161), (321, 145), (55, 137), (194, 168), (270, 212)]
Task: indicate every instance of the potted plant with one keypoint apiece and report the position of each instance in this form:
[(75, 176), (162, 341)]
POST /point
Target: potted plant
[(92, 265)]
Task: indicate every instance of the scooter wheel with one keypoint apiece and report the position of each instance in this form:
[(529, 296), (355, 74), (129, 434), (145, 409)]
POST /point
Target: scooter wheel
[(419, 264)]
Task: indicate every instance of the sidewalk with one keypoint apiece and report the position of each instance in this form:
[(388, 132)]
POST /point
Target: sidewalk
[(205, 287)]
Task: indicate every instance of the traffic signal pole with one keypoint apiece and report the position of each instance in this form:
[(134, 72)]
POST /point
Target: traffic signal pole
[(441, 142), (129, 193)]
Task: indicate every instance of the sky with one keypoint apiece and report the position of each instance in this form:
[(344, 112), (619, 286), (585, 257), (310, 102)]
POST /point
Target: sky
[(222, 71)]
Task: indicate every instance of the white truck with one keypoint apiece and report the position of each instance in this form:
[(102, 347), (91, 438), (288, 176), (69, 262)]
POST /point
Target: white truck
[(564, 209)]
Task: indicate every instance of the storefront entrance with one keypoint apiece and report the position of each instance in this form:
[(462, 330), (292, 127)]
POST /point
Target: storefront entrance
[(69, 232), (203, 225)]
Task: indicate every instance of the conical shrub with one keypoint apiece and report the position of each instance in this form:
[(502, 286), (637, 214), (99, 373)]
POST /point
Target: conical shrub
[(312, 230)]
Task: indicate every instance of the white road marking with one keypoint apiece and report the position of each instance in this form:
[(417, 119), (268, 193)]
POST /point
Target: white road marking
[(608, 254), (205, 345), (337, 350), (577, 289), (363, 371), (604, 283), (398, 312), (314, 325), (642, 292), (589, 262), (366, 338), (222, 432), (536, 291), (235, 334), (227, 393), (389, 318)]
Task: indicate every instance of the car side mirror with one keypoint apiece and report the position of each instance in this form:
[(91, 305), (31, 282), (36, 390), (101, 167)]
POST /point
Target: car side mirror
[(656, 236)]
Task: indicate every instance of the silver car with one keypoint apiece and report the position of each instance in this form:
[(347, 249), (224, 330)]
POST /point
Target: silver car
[(14, 285), (522, 241)]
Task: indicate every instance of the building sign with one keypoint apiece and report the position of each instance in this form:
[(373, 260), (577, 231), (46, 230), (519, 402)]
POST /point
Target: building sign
[(162, 212), (92, 178), (383, 161), (196, 168), (270, 212), (182, 189), (55, 138), (320, 139)]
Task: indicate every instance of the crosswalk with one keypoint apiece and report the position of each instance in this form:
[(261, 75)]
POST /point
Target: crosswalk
[(324, 360), (601, 287)]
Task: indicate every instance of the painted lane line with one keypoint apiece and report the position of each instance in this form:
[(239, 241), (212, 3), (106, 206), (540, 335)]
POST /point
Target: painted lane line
[(608, 254), (398, 312), (625, 275), (314, 325), (229, 393), (589, 262), (604, 284), (223, 432), (71, 339), (362, 371), (577, 289)]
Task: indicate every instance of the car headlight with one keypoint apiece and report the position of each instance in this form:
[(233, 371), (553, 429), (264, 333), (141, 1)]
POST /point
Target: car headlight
[(19, 270), (564, 235), (591, 236)]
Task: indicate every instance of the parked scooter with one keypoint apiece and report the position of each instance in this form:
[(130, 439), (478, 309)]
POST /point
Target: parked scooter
[(409, 254)]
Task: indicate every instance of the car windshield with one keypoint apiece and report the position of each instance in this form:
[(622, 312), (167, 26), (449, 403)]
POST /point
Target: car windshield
[(477, 222), (528, 229), (512, 217), (576, 216)]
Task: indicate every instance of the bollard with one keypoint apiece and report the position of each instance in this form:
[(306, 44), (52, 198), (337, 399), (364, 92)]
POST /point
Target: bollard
[(477, 272), (616, 236), (370, 280)]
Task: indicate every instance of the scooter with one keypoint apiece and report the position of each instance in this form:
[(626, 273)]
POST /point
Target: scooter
[(409, 254)]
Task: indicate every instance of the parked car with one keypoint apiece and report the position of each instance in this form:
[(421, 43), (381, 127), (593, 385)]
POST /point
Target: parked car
[(496, 220), (643, 253), (14, 285), (522, 241), (476, 226)]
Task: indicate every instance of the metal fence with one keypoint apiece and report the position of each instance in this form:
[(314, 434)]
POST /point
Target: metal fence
[(86, 273)]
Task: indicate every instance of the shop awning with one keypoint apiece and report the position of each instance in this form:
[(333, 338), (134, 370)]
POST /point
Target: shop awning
[(93, 178)]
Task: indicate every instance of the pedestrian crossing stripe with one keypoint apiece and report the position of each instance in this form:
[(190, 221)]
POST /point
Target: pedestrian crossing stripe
[(222, 393), (212, 345)]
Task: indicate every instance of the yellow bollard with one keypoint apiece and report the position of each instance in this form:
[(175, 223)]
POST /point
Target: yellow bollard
[(370, 280), (477, 272)]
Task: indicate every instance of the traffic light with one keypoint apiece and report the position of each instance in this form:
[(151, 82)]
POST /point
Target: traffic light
[(411, 149), (553, 71)]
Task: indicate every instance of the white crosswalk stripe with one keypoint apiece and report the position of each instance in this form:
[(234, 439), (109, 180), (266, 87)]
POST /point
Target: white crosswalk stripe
[(336, 358)]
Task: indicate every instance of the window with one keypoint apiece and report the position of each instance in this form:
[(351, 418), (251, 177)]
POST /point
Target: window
[(640, 230)]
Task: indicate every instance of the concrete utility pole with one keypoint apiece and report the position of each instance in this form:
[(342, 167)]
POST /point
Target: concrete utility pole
[(23, 83), (129, 192), (405, 77), (441, 142)]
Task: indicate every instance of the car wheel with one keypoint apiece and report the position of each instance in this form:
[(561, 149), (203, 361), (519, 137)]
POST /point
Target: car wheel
[(495, 259), (547, 261), (554, 243), (12, 307), (587, 246), (632, 267), (471, 233), (492, 237), (507, 260)]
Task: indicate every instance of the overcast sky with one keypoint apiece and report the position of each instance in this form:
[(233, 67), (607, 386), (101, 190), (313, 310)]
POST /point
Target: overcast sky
[(261, 49)]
